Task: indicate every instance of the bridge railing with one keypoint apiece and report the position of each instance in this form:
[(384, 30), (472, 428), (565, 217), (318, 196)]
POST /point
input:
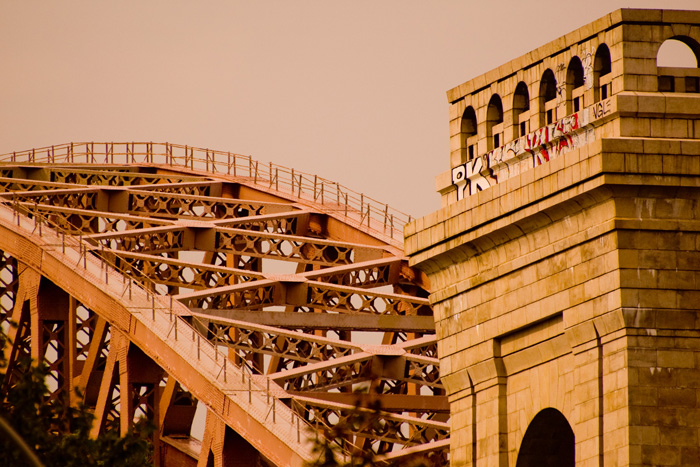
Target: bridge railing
[(357, 209)]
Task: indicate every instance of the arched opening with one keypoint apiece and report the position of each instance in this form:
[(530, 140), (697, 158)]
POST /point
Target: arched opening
[(677, 62), (602, 78), (521, 110), (494, 122), (574, 86), (469, 132), (548, 442), (548, 95), (678, 52)]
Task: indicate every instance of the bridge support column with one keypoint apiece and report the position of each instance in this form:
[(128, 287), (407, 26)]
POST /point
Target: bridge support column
[(223, 447)]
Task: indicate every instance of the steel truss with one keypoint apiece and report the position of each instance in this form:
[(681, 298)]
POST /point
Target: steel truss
[(152, 281)]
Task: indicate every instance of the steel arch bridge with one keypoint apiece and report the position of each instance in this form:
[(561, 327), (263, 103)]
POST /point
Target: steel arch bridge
[(157, 278)]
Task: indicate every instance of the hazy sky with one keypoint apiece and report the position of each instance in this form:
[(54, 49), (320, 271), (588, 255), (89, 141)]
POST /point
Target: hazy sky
[(353, 91)]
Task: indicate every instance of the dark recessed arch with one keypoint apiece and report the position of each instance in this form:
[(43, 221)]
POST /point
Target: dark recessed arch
[(494, 117), (547, 97), (602, 66), (469, 131), (469, 122), (574, 85), (521, 107), (494, 112), (548, 86), (548, 442), (574, 73)]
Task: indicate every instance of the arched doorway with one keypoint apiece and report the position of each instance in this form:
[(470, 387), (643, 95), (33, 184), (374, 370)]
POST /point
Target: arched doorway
[(548, 442)]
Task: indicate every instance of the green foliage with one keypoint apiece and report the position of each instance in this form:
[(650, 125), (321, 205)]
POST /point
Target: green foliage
[(59, 433), (328, 451), (327, 447), (3, 340)]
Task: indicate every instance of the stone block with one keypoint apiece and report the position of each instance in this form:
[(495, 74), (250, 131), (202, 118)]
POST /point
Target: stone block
[(678, 280), (614, 361), (642, 358), (639, 66), (453, 94), (634, 49), (678, 436), (656, 147), (635, 126), (677, 397), (648, 435), (645, 16), (643, 396), (690, 455), (658, 298), (682, 106), (647, 83), (668, 128), (651, 103), (678, 16), (656, 376), (675, 359), (660, 455)]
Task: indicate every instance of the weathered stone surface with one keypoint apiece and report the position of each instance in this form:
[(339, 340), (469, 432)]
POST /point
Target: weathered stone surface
[(565, 261)]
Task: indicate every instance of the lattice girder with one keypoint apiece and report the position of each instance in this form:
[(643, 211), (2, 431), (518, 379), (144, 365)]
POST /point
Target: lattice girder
[(129, 247), (394, 428), (268, 340), (111, 176), (306, 295)]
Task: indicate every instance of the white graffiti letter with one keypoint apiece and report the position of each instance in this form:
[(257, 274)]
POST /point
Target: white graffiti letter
[(468, 175), (476, 181), (459, 179)]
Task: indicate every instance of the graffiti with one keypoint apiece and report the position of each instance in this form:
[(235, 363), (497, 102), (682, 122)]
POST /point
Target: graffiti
[(529, 151), (537, 138), (561, 72), (565, 126), (540, 157), (601, 109), (561, 87), (587, 62), (468, 176), (549, 133)]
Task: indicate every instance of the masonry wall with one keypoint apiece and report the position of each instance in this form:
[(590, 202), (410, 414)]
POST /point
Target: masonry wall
[(572, 282), (586, 300)]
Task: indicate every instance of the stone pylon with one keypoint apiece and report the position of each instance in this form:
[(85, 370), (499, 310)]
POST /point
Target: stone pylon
[(565, 260)]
